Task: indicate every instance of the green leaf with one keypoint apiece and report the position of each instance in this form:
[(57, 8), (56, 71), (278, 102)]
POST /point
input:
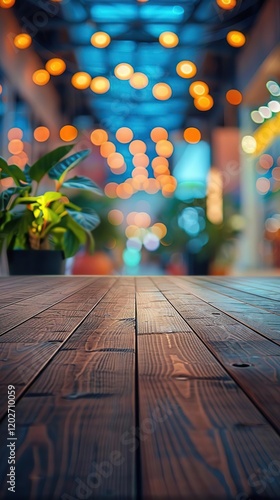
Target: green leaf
[(59, 171), (71, 244), (7, 195), (17, 226), (11, 171), (46, 163), (87, 218), (80, 182)]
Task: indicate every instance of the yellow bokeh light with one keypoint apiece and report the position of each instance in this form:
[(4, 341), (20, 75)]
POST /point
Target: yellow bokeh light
[(22, 41), (123, 71), (115, 217), (41, 77), (100, 39), (249, 144), (7, 4), (68, 133), (100, 85), (124, 135), (192, 135), (186, 69), (41, 134), (168, 39), (107, 148), (55, 66), (162, 91), (198, 89), (98, 136), (226, 4), (159, 134), (236, 38), (15, 146), (81, 80), (15, 133), (139, 80), (159, 229), (164, 148), (204, 103), (137, 147)]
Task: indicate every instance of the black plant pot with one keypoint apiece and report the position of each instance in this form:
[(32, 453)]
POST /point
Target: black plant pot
[(25, 262)]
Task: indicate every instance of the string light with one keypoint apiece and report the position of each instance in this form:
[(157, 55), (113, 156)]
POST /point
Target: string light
[(22, 41), (55, 66)]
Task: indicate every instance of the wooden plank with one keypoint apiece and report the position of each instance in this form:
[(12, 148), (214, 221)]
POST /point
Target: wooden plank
[(200, 436), (263, 322), (16, 314), (73, 420), (252, 360), (154, 314), (45, 334)]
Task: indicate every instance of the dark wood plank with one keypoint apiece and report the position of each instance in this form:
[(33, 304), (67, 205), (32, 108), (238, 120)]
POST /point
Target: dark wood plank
[(17, 313), (45, 334), (252, 360), (74, 419)]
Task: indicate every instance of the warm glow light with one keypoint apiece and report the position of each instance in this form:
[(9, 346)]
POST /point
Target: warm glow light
[(140, 160), (164, 148), (123, 71), (159, 134), (160, 160), (226, 4), (115, 160), (198, 89), (15, 146), (124, 191), (115, 217), (68, 133), (159, 229), (151, 186), (234, 97), (160, 170), (266, 161), (41, 134), (110, 189), (137, 147), (186, 69), (192, 135), (142, 219), (236, 38), (263, 185), (7, 4), (81, 80), (107, 148), (162, 91), (139, 81), (55, 66), (41, 77), (168, 39), (98, 136), (100, 85), (15, 133), (124, 135), (214, 200), (22, 41), (204, 103), (249, 144), (100, 39)]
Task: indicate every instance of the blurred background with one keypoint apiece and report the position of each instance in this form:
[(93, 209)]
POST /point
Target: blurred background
[(178, 101)]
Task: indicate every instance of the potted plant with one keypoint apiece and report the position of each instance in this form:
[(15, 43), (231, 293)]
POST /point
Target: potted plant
[(34, 222)]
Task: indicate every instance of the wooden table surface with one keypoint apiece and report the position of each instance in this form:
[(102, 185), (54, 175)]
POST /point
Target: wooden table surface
[(145, 388)]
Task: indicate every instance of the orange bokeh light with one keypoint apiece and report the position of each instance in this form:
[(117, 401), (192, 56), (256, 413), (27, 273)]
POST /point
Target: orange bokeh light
[(162, 91), (68, 133), (115, 160), (226, 4), (124, 135), (55, 66), (168, 39), (115, 217), (198, 89), (204, 103), (41, 77), (186, 69), (139, 81), (123, 71), (159, 134), (81, 80), (236, 38), (15, 146), (107, 148), (98, 136), (141, 160), (7, 4), (137, 147), (22, 41), (110, 189), (100, 85), (41, 134), (100, 39), (192, 135), (160, 160), (15, 133), (164, 148), (234, 97)]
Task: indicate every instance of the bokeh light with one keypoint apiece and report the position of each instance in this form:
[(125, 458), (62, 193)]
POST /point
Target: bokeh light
[(98, 136), (226, 4), (115, 160), (137, 146), (204, 103), (198, 89), (7, 4), (249, 144), (68, 133), (140, 160), (55, 66), (192, 135), (123, 71), (15, 146), (164, 148), (115, 217), (139, 81), (22, 41), (81, 80), (168, 39), (162, 91), (107, 148), (41, 77), (263, 185), (100, 39), (41, 134), (100, 85), (15, 133), (110, 189), (236, 38), (234, 97), (186, 69), (159, 134), (124, 135)]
